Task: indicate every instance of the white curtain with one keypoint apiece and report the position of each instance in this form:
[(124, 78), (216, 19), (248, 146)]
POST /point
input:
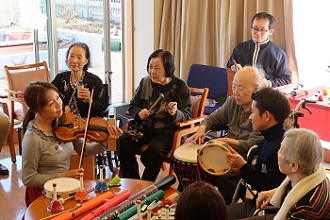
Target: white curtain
[(206, 32)]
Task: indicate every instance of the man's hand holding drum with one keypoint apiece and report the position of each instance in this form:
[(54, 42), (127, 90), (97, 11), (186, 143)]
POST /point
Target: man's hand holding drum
[(234, 160)]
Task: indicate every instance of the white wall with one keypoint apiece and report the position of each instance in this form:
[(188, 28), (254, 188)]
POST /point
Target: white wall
[(143, 37)]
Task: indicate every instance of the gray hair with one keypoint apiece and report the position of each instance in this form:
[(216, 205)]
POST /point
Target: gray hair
[(304, 147), (260, 74)]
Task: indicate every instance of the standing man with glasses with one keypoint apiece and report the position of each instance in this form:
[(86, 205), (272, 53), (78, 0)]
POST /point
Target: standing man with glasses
[(261, 51)]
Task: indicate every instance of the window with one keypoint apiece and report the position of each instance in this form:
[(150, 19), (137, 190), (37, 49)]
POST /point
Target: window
[(77, 20), (312, 41), (83, 21)]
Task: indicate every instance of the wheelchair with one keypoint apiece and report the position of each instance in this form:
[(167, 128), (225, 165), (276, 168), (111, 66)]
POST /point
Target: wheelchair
[(252, 155)]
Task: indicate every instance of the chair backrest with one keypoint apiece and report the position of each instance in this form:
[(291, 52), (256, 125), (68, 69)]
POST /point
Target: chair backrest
[(20, 76), (198, 99), (211, 77), (230, 76)]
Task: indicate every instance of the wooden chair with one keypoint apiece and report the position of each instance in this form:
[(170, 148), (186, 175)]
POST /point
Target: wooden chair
[(198, 99), (230, 78), (18, 78), (5, 109)]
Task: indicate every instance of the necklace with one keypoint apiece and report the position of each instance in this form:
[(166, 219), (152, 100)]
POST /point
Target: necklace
[(73, 100), (244, 116), (81, 78)]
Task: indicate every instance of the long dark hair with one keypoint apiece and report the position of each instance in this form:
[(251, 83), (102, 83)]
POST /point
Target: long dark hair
[(35, 97)]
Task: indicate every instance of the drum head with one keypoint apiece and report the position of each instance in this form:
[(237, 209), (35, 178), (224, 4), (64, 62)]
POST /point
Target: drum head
[(65, 187), (212, 157), (187, 152)]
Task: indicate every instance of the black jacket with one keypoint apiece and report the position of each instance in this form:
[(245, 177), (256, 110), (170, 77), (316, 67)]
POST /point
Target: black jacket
[(160, 120), (68, 92), (267, 55)]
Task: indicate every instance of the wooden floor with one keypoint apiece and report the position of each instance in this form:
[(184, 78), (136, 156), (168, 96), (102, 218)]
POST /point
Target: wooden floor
[(12, 190)]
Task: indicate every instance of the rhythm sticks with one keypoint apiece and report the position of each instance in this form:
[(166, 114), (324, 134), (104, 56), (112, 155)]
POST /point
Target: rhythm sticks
[(160, 97), (109, 204), (110, 214), (85, 207)]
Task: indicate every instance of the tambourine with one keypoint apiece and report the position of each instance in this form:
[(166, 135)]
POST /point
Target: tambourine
[(212, 157), (185, 165), (65, 187)]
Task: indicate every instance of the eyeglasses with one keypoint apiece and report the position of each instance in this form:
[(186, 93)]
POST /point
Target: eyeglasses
[(254, 29)]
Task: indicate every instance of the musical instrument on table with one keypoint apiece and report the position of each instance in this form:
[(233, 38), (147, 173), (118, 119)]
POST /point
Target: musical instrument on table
[(212, 157), (87, 206), (65, 187), (147, 201), (122, 207), (186, 167), (107, 205)]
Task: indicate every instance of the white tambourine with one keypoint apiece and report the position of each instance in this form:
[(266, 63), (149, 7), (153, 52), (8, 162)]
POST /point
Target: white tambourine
[(65, 187), (212, 157)]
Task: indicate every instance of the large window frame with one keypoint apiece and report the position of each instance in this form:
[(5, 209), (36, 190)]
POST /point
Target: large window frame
[(52, 44)]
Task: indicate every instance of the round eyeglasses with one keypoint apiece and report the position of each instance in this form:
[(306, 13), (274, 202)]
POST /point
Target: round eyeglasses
[(261, 30)]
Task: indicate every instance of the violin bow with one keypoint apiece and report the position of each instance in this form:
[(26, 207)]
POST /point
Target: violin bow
[(86, 130)]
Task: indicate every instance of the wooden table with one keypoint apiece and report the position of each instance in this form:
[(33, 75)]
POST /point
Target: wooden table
[(37, 210)]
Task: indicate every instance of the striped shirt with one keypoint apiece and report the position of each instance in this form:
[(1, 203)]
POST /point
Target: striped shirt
[(314, 205)]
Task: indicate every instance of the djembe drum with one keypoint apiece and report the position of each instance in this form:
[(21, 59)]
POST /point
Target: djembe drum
[(194, 162)]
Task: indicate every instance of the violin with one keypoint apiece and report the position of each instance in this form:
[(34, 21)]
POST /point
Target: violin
[(71, 127)]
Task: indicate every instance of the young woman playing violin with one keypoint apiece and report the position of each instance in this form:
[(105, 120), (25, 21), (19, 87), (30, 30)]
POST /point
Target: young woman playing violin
[(44, 156)]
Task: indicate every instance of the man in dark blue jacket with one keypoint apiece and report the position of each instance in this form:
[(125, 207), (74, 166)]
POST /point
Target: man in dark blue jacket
[(261, 51), (270, 108)]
